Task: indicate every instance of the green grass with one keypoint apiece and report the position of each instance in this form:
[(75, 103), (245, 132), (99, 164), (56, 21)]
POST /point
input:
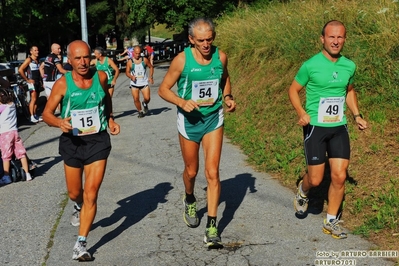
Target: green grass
[(385, 207), (266, 44), (161, 31), (50, 243)]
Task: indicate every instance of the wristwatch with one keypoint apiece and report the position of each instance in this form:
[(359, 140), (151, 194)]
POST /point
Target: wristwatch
[(358, 115), (228, 95)]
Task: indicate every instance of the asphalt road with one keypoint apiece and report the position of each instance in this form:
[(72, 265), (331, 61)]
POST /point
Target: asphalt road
[(139, 219)]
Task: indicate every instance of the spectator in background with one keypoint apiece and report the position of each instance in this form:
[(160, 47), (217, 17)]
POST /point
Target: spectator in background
[(128, 54), (59, 74), (29, 71), (150, 53), (51, 68), (10, 141)]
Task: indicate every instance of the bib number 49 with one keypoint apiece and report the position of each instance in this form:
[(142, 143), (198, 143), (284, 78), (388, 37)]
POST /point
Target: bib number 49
[(332, 109)]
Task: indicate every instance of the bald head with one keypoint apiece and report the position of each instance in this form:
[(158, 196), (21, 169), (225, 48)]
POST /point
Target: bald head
[(55, 49), (78, 44), (137, 52), (137, 48), (332, 23)]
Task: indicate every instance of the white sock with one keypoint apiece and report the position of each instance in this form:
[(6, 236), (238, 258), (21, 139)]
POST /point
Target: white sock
[(28, 176), (331, 217)]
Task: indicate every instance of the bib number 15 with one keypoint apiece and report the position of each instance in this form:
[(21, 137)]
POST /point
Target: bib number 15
[(86, 121)]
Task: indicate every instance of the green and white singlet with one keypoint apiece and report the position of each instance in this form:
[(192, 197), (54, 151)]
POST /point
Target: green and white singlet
[(106, 68), (326, 88), (201, 83), (86, 107), (139, 70)]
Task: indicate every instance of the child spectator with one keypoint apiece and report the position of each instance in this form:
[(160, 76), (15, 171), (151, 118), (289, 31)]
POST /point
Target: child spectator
[(10, 141)]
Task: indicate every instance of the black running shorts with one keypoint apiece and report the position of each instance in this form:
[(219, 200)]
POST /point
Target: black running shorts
[(79, 151), (321, 140)]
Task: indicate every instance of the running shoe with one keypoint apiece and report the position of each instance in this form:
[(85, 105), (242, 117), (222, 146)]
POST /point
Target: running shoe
[(145, 107), (33, 119), (75, 219), (141, 115), (190, 213), (212, 238), (300, 202), (5, 180), (39, 118), (334, 229), (80, 252)]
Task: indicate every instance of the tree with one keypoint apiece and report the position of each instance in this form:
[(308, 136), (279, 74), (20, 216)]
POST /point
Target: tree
[(176, 14), (25, 23)]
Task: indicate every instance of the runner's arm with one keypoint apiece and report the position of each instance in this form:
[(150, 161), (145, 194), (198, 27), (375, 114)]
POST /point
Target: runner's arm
[(113, 126), (57, 94), (226, 84), (115, 68), (151, 67), (171, 77), (293, 94), (351, 102), (128, 70)]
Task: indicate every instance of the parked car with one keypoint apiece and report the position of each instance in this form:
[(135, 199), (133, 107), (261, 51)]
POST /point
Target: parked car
[(6, 70), (4, 66), (16, 64)]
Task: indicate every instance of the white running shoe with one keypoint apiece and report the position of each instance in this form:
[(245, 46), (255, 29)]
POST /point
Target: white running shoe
[(80, 252), (33, 119), (75, 219)]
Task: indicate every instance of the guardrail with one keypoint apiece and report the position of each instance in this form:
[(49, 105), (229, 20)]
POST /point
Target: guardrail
[(163, 52)]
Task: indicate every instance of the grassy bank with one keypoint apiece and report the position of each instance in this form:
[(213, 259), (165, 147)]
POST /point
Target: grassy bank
[(266, 45), (160, 31)]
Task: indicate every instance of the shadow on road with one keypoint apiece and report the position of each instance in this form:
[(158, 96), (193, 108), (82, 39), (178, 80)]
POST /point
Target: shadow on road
[(132, 209), (233, 193), (155, 111), (44, 164), (162, 67)]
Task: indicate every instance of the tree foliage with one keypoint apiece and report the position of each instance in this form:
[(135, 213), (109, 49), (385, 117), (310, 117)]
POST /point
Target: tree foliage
[(25, 23), (176, 14)]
